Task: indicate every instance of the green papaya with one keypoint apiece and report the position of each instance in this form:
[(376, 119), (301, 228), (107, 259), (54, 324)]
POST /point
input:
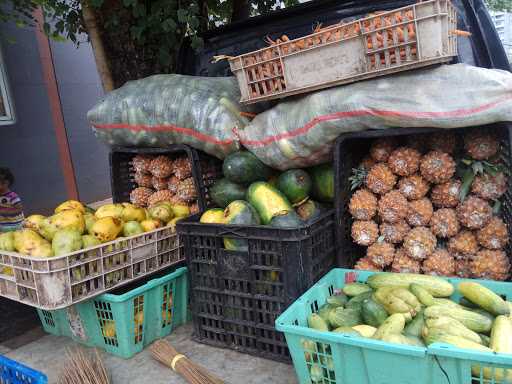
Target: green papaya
[(287, 220), (295, 184), (239, 212), (357, 301), (309, 211), (244, 168), (267, 200), (323, 182), (224, 191)]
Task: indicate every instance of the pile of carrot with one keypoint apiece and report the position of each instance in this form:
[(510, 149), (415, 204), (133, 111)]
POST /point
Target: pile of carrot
[(391, 32)]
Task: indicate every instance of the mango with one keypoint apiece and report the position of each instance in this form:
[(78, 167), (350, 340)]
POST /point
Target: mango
[(162, 212), (150, 225), (132, 228), (33, 222), (7, 241), (90, 241), (109, 210), (107, 228), (133, 213), (70, 205), (66, 241)]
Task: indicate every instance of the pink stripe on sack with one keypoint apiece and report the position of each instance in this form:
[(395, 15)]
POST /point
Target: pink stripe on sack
[(370, 112), (166, 128)]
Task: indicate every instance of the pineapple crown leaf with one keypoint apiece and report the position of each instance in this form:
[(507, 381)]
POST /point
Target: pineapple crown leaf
[(467, 180), (380, 239), (358, 177), (496, 208)]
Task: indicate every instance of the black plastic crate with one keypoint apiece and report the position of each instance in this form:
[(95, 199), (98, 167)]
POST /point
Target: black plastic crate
[(351, 148), (205, 170), (237, 296)]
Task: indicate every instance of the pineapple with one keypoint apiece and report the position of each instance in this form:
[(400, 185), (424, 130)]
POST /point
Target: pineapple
[(464, 245), (439, 263), (392, 207), (364, 264), (394, 233), (163, 195), (140, 196), (444, 223), (489, 187), (365, 232), (182, 168), (381, 253), (420, 243), (186, 190), (494, 235), (443, 142), (367, 163), (420, 212), (417, 142), (404, 161), (382, 148), (159, 183), (413, 187), (172, 184), (142, 163), (161, 166), (463, 268), (490, 264), (446, 195), (143, 179), (481, 145), (474, 213), (363, 205), (402, 263), (437, 167), (380, 179)]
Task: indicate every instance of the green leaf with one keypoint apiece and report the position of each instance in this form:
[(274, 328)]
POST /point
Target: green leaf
[(496, 208), (96, 3), (169, 25), (182, 15), (467, 180)]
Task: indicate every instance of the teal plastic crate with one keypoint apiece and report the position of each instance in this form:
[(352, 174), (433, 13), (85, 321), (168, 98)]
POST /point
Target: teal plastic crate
[(124, 324), (345, 359)]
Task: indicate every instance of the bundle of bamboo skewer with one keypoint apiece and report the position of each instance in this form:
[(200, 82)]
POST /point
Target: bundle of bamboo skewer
[(193, 373), (82, 368)]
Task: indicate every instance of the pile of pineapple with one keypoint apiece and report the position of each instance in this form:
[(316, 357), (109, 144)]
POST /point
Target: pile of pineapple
[(160, 178), (74, 226), (431, 204)]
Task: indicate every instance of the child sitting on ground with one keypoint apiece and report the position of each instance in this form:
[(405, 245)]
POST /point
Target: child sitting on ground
[(11, 210)]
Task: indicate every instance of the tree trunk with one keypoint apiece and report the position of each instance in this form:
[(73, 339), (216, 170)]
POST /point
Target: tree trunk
[(100, 57), (241, 10)]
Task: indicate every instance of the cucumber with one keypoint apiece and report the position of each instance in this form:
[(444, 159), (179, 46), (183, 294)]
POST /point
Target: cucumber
[(422, 294), (324, 311), (338, 300), (323, 182), (344, 317), (354, 289), (501, 335), (347, 331), (244, 168), (373, 313), (365, 330), (447, 303), (415, 327), (452, 327), (472, 320), (223, 192), (394, 324), (438, 336), (267, 201), (316, 322), (402, 339), (287, 220), (357, 301), (239, 212), (435, 285), (466, 303), (295, 184), (484, 298), (485, 339)]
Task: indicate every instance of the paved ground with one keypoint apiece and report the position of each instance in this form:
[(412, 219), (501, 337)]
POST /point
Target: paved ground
[(45, 354)]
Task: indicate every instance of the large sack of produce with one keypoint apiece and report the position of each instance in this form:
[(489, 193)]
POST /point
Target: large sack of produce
[(301, 132), (160, 110)]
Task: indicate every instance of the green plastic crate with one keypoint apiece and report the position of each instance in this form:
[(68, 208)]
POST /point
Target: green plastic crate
[(345, 359), (124, 324)]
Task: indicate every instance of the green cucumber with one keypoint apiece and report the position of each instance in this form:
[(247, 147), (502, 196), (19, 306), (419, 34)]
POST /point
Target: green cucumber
[(415, 327), (355, 289), (373, 313)]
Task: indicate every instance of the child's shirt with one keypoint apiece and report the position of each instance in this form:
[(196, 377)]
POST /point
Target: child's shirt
[(11, 212)]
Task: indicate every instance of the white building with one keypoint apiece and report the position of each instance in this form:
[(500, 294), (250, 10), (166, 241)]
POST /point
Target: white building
[(503, 23)]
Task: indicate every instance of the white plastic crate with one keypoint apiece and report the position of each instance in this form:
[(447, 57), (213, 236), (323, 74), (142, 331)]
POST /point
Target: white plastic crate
[(406, 38), (58, 282)]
